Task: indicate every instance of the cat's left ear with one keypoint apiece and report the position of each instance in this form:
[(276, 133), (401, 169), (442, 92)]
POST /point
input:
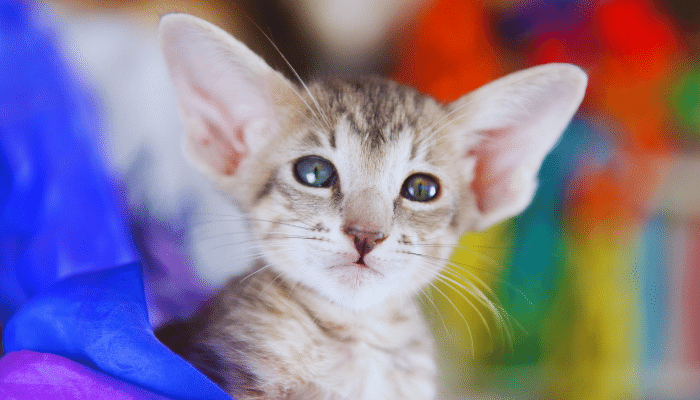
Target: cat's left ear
[(506, 128), (231, 102)]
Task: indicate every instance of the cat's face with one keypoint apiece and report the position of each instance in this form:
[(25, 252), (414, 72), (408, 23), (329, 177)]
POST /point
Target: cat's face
[(360, 188), (358, 199)]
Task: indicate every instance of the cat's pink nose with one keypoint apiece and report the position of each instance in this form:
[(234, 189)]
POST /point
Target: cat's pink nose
[(365, 241)]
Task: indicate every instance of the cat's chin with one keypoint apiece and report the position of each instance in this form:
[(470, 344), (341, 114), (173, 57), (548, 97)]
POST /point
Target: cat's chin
[(356, 286), (355, 275)]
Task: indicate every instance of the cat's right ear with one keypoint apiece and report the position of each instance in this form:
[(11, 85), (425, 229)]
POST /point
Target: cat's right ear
[(230, 100)]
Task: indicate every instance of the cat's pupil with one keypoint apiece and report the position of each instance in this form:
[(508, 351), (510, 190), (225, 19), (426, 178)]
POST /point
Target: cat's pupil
[(314, 171), (420, 187)]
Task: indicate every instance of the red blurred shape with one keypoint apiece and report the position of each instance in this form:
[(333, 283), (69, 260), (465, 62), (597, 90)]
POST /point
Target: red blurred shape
[(549, 51), (635, 31)]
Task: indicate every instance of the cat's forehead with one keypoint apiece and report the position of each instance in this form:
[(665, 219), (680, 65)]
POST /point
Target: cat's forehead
[(377, 111)]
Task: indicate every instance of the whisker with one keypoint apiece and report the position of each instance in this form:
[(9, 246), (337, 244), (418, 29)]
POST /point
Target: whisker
[(463, 267), (281, 235), (289, 293), (286, 216), (472, 289), (503, 280), (431, 132), (202, 224), (499, 311), (469, 330), (250, 219), (201, 239), (254, 240), (490, 247), (256, 271), (301, 81), (478, 293), (451, 283), (459, 246), (278, 248), (442, 263), (268, 285), (481, 256), (248, 257), (437, 311), (303, 115)]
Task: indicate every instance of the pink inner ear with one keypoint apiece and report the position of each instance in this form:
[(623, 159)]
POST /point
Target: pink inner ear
[(505, 174), (218, 140), (223, 156), (480, 185), (492, 186), (228, 96), (497, 158)]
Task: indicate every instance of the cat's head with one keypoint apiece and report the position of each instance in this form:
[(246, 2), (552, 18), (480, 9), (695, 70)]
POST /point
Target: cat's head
[(358, 188)]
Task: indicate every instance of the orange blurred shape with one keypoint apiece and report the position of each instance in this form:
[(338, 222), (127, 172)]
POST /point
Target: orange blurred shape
[(599, 203), (639, 105), (615, 198), (448, 52)]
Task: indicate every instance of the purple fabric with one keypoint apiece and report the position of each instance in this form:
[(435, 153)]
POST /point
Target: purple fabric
[(41, 376)]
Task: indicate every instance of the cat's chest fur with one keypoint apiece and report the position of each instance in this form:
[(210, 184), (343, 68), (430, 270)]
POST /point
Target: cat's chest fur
[(274, 340)]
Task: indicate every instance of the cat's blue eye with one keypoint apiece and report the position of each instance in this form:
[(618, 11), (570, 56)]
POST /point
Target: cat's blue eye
[(420, 187), (314, 171)]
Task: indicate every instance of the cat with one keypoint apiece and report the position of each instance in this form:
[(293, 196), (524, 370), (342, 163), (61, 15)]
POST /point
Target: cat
[(351, 187)]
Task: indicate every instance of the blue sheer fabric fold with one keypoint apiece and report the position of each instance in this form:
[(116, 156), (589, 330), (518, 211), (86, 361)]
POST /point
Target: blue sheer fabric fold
[(58, 209), (62, 234), (99, 319)]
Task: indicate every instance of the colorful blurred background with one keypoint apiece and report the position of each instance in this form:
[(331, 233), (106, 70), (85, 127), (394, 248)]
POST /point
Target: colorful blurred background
[(597, 284)]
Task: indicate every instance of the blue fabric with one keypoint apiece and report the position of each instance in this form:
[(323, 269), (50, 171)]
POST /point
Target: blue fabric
[(58, 213), (100, 320), (62, 231)]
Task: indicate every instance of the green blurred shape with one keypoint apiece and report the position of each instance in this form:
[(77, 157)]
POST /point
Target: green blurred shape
[(685, 100)]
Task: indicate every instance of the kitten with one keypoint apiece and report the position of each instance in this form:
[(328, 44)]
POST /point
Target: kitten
[(351, 187)]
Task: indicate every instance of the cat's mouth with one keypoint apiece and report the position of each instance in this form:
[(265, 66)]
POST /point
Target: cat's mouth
[(356, 268), (352, 269), (361, 263)]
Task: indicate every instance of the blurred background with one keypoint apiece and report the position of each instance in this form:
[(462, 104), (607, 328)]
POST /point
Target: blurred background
[(594, 291)]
